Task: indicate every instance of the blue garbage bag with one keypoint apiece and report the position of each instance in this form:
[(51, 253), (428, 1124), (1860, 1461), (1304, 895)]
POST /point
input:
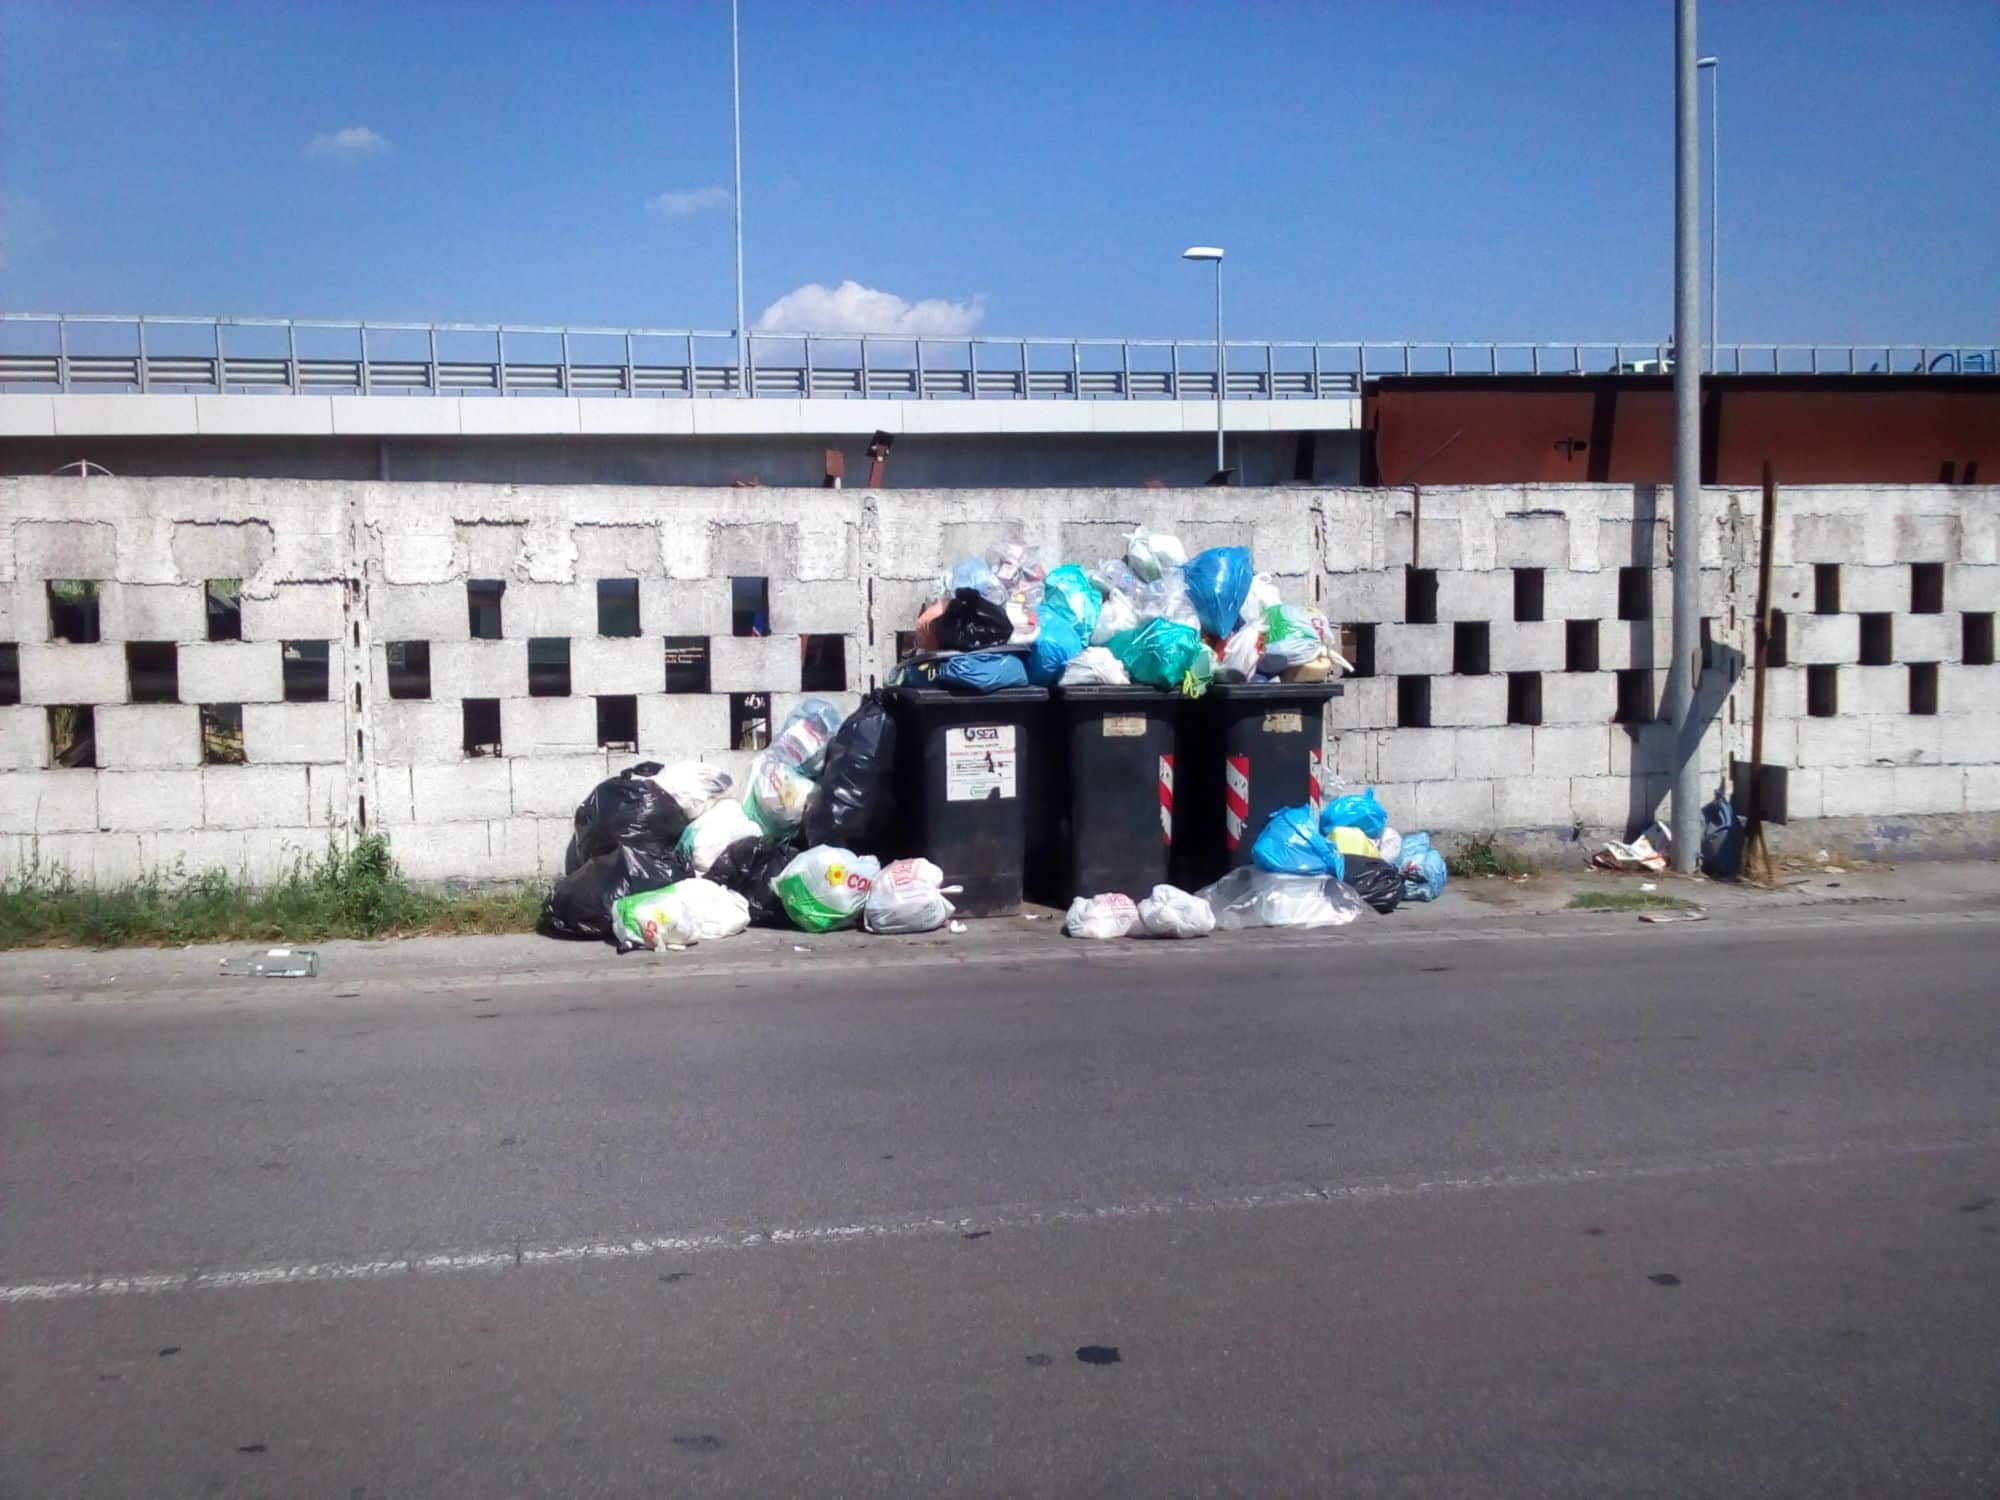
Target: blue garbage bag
[(1355, 810), (1291, 845), (1218, 581), (1422, 867), (1058, 641), (1722, 834), (983, 672)]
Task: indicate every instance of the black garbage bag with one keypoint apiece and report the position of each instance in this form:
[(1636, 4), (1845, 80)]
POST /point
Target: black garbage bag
[(854, 805), (1376, 881), (628, 810), (748, 867), (972, 622), (580, 905)]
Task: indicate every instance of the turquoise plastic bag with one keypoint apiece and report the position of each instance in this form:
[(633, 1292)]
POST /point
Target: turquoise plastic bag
[(1291, 845), (1054, 646), (1068, 591), (1422, 867), (1355, 810), (1218, 581), (1159, 653)]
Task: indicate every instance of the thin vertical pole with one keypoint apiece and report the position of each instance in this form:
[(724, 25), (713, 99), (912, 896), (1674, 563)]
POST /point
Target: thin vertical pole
[(1221, 370), (1756, 858), (1714, 215), (1687, 444), (736, 109)]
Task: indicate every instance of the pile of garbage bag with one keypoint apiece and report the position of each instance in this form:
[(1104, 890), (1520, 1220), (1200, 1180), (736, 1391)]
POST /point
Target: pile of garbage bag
[(1321, 869)]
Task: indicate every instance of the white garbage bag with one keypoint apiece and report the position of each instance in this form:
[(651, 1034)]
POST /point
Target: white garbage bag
[(1108, 916), (695, 786), (777, 794), (1094, 666), (1263, 595), (825, 888), (1171, 912), (1249, 897), (707, 836), (688, 911), (1390, 844), (1151, 554), (908, 896), (1118, 615)]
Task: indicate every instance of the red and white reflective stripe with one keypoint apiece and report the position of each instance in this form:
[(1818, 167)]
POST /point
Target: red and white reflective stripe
[(1236, 797), (1167, 798), (1312, 780)]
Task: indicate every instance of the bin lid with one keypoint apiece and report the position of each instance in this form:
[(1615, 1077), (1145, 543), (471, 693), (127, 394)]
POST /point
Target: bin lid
[(927, 696), (1105, 692), (1310, 692)]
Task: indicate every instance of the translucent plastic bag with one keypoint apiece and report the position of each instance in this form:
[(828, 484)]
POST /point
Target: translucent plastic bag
[(977, 574), (1218, 581), (1423, 868), (802, 740), (709, 835), (1352, 841), (1095, 667), (1290, 639), (1171, 912), (1117, 615), (908, 896), (1166, 599), (1263, 596), (689, 911), (826, 888), (1290, 844), (1152, 554), (777, 795), (1242, 654), (1389, 844), (1069, 592), (696, 787), (1249, 897), (1355, 810), (1112, 915)]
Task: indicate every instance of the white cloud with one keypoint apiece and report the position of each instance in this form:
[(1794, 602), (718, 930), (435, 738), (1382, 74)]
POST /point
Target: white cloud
[(854, 308), (685, 203), (354, 143)]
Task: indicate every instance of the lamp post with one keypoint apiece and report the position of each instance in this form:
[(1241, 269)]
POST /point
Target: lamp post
[(1686, 665), (736, 201), (1211, 252), (1713, 67)]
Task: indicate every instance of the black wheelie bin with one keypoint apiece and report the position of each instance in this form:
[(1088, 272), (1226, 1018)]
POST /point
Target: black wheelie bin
[(1248, 749)]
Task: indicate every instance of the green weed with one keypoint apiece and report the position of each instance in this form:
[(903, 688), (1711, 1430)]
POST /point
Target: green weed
[(1486, 855), (1627, 901)]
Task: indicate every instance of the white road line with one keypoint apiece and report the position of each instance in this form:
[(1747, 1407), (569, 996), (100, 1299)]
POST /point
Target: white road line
[(575, 1252)]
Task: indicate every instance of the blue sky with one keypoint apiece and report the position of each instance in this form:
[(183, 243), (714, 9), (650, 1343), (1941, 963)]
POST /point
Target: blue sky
[(1388, 170)]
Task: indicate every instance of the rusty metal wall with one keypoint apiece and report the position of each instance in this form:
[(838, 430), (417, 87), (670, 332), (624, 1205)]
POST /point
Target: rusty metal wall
[(1618, 429)]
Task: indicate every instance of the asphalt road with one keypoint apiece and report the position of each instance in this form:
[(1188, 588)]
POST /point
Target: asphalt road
[(1677, 1211)]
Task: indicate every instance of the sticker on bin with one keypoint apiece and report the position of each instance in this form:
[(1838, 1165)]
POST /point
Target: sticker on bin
[(1124, 726), (979, 763), (1284, 723)]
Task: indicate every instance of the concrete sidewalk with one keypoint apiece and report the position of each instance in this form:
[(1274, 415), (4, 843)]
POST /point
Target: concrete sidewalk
[(1534, 903)]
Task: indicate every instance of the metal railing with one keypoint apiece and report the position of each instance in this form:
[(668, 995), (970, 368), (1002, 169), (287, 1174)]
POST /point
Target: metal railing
[(65, 352)]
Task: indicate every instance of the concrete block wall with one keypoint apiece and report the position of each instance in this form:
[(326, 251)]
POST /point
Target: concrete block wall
[(362, 568)]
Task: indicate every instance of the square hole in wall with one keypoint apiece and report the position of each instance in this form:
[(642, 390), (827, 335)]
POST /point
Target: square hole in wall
[(1524, 697), (823, 663), (409, 668), (10, 672), (1826, 588), (1528, 593), (1471, 651), (223, 600), (73, 611), (72, 736), (1362, 639), (548, 666), (1777, 649), (1413, 703), (1877, 640), (152, 672), (1635, 593), (482, 725), (1926, 588), (749, 721), (1580, 645), (1923, 687), (749, 606), (482, 607), (687, 663), (1635, 696), (906, 643), (222, 734), (1822, 692), (618, 723), (305, 668), (1420, 596), (1975, 643), (618, 606)]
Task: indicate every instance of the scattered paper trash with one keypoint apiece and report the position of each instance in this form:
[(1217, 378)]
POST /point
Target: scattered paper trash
[(1692, 914), (1646, 852), (956, 926), (1649, 885), (274, 963)]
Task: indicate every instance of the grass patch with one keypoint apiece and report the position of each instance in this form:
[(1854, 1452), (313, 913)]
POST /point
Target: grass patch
[(1627, 901), (352, 893), (1486, 855)]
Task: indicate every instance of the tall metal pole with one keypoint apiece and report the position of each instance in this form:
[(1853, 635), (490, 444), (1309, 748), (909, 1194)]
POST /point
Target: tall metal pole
[(1713, 67), (1687, 443), (736, 109), (1221, 370)]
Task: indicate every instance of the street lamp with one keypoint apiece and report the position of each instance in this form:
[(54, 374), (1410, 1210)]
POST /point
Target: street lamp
[(1713, 67), (1211, 252), (736, 117)]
